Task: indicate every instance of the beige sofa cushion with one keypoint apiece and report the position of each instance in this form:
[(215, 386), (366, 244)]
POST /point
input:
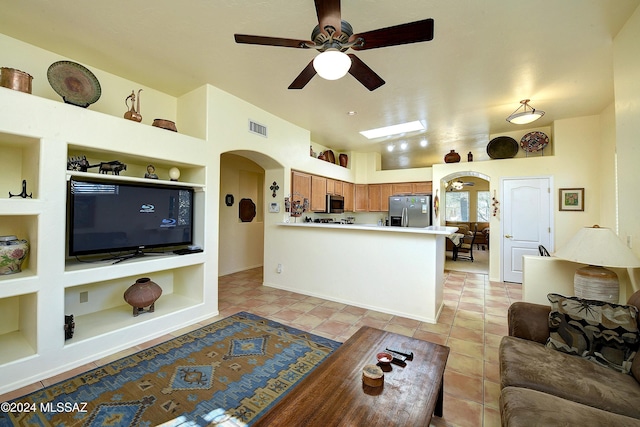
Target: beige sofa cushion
[(531, 365)]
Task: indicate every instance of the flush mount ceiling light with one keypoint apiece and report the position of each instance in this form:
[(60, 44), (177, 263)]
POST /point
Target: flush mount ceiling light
[(527, 115), (393, 130), (404, 145), (332, 64)]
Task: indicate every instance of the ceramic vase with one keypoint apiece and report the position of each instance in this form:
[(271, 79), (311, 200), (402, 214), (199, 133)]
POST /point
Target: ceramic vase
[(12, 254), (452, 157), (143, 293)]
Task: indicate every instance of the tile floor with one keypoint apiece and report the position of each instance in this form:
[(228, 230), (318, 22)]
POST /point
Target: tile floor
[(471, 324)]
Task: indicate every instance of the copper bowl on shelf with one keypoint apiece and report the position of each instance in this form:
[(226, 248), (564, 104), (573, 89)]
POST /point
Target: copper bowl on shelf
[(165, 124), (15, 79)]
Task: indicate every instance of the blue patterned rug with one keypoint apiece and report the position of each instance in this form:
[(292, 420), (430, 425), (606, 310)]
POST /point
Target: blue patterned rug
[(228, 373)]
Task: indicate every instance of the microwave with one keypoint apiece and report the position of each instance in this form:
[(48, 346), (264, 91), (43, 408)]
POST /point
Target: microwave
[(335, 204)]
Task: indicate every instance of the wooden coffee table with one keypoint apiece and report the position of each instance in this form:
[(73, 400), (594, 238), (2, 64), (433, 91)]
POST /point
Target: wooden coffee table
[(333, 394)]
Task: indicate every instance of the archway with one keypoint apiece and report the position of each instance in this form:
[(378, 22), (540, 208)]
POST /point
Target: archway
[(466, 203), (245, 175)]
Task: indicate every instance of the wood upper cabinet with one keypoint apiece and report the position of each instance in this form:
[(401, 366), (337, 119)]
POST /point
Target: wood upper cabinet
[(335, 187), (349, 200), (361, 198), (399, 188), (425, 187), (300, 186), (318, 193), (379, 197)]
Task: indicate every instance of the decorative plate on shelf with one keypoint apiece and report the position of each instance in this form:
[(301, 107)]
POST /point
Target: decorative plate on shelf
[(534, 141), (74, 83), (502, 147)]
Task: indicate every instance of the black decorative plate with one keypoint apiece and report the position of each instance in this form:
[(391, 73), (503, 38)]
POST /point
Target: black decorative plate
[(74, 83), (502, 147), (534, 141)]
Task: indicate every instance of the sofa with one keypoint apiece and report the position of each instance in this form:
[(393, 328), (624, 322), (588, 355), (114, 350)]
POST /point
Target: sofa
[(543, 384)]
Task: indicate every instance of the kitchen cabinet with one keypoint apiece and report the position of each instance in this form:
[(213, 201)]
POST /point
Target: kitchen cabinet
[(300, 186), (361, 197), (318, 193), (399, 188), (347, 193), (425, 187), (379, 197), (335, 187)]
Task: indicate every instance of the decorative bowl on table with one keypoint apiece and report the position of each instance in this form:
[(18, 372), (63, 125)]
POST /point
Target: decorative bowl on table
[(384, 358)]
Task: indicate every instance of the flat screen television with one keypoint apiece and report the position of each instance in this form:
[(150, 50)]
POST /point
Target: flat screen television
[(108, 217)]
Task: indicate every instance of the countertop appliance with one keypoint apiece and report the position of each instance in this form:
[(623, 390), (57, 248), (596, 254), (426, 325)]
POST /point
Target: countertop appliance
[(410, 211)]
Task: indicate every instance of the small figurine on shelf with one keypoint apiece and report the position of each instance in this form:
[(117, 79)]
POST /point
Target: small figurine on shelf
[(132, 114), (151, 172), (79, 163), (114, 166)]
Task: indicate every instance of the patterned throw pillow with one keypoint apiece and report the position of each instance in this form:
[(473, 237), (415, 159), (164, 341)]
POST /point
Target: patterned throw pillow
[(602, 332)]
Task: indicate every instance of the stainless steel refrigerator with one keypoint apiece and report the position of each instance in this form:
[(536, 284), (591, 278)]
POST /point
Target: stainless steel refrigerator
[(410, 211)]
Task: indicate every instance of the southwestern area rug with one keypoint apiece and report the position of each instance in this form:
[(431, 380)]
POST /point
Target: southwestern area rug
[(227, 373)]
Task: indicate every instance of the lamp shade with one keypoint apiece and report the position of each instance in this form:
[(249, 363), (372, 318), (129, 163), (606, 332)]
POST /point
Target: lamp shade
[(332, 64), (598, 246), (524, 114)]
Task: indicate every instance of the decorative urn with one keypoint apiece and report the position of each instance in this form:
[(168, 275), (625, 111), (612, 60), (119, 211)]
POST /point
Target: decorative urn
[(143, 293), (12, 254), (452, 157)]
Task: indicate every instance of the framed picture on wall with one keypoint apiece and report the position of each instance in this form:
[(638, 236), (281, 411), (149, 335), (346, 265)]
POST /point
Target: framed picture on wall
[(571, 199)]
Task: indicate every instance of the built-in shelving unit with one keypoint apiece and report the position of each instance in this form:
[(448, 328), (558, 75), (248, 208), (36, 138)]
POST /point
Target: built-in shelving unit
[(37, 137)]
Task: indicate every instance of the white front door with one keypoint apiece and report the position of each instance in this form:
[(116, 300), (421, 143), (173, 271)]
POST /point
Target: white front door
[(526, 222)]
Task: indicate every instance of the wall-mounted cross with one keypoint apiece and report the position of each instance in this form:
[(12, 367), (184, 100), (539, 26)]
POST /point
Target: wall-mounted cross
[(274, 187)]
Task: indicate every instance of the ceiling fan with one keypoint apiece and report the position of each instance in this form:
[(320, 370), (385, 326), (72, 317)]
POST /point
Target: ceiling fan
[(459, 185), (333, 36)]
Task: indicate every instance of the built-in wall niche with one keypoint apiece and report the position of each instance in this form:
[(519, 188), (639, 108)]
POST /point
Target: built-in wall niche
[(23, 227), (18, 315), (100, 308), (19, 161), (136, 167)]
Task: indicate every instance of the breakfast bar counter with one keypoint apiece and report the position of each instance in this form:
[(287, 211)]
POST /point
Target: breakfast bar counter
[(394, 270)]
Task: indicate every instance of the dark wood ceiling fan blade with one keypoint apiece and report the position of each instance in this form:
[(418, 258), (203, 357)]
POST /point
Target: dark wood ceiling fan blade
[(328, 12), (412, 32), (272, 41), (364, 74), (304, 77)]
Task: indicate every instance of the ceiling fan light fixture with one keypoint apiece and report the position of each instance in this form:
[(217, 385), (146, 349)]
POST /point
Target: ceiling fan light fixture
[(332, 64), (527, 115)]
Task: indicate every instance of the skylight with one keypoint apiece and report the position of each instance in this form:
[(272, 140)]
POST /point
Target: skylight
[(393, 130)]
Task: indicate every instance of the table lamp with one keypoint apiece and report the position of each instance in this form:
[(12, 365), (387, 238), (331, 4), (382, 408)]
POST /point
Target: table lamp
[(598, 247)]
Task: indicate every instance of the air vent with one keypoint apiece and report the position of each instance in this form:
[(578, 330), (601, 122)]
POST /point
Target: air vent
[(257, 128)]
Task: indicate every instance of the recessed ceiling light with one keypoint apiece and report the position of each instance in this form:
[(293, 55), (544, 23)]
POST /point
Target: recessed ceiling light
[(393, 130), (351, 113), (390, 147), (423, 143), (404, 145)]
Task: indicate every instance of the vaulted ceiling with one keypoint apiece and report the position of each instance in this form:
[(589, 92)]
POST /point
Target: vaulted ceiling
[(485, 57)]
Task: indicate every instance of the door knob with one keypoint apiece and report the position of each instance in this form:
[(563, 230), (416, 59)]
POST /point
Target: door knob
[(508, 236)]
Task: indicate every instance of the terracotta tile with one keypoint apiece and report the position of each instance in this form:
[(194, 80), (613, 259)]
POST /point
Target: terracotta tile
[(467, 334), (322, 312), (302, 306), (492, 354), (463, 386), (370, 321), (399, 329), (492, 394), (334, 305), (492, 340), (403, 321), (496, 329), (470, 306), (492, 371), (287, 315), (465, 347), (314, 300), (491, 417), (355, 310), (331, 327), (309, 321), (436, 328), (464, 322), (68, 374), (461, 412), (266, 310), (466, 365), (21, 391), (378, 315), (345, 317), (431, 337)]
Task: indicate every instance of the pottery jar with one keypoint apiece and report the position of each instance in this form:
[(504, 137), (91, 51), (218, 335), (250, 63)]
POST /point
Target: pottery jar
[(452, 157), (143, 293), (12, 254)]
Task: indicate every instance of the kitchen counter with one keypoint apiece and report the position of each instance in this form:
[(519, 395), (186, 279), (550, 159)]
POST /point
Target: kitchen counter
[(394, 270), (446, 231)]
